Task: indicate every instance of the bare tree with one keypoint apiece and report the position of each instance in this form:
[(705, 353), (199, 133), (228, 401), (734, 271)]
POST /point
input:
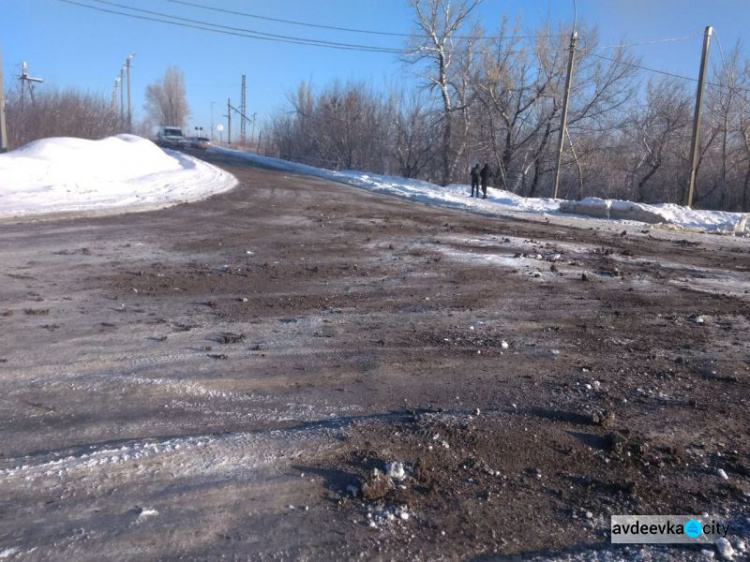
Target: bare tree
[(414, 137), (743, 129), (433, 47), (340, 127), (59, 113), (519, 89), (655, 142), (509, 85), (165, 99), (498, 100), (726, 113), (602, 90), (744, 195)]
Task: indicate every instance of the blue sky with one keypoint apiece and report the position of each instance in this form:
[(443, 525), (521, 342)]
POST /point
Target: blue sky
[(70, 45)]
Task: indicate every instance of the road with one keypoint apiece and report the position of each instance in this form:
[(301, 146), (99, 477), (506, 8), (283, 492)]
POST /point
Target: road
[(206, 381)]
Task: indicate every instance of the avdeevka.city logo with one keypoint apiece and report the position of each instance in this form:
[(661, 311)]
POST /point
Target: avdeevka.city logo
[(693, 528), (664, 529)]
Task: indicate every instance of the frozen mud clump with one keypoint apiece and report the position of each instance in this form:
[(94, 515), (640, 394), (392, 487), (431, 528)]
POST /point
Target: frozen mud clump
[(376, 486)]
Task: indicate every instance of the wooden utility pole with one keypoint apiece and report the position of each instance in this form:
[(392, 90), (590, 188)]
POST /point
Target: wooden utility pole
[(566, 100), (3, 129), (695, 144)]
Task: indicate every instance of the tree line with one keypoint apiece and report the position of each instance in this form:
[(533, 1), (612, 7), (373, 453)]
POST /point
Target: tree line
[(46, 112), (495, 97)]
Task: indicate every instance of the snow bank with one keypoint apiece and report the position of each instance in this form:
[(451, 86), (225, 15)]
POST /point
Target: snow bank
[(76, 175), (454, 196), (590, 206), (665, 213), (625, 210), (503, 203)]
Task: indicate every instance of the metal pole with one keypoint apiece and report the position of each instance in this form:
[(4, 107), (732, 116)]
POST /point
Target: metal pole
[(212, 120), (122, 97), (3, 129), (243, 109), (695, 142), (130, 113), (229, 121), (566, 100)]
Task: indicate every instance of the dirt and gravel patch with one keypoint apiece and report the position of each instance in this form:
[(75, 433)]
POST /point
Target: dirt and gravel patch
[(220, 379)]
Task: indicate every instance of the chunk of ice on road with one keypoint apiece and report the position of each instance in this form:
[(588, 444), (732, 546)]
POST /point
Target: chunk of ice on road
[(725, 549), (145, 512), (396, 470)]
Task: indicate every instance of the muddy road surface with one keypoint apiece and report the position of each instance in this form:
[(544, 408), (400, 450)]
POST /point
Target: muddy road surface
[(219, 381)]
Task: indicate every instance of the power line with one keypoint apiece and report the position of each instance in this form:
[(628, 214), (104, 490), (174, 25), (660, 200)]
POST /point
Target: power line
[(640, 67), (346, 29), (671, 74), (291, 22), (723, 61), (252, 31), (237, 32), (252, 34), (653, 42)]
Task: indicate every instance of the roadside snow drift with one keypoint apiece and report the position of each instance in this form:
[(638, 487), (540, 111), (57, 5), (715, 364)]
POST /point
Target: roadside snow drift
[(504, 203), (119, 173), (664, 213)]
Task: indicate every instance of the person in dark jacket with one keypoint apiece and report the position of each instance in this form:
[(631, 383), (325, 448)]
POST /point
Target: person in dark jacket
[(475, 173), (484, 174)]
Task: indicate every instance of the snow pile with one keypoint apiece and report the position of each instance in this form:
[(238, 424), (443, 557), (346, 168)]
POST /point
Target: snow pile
[(500, 202), (591, 206), (665, 213), (454, 196), (73, 175)]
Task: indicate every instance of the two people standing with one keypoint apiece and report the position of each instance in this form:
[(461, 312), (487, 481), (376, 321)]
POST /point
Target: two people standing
[(476, 176)]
